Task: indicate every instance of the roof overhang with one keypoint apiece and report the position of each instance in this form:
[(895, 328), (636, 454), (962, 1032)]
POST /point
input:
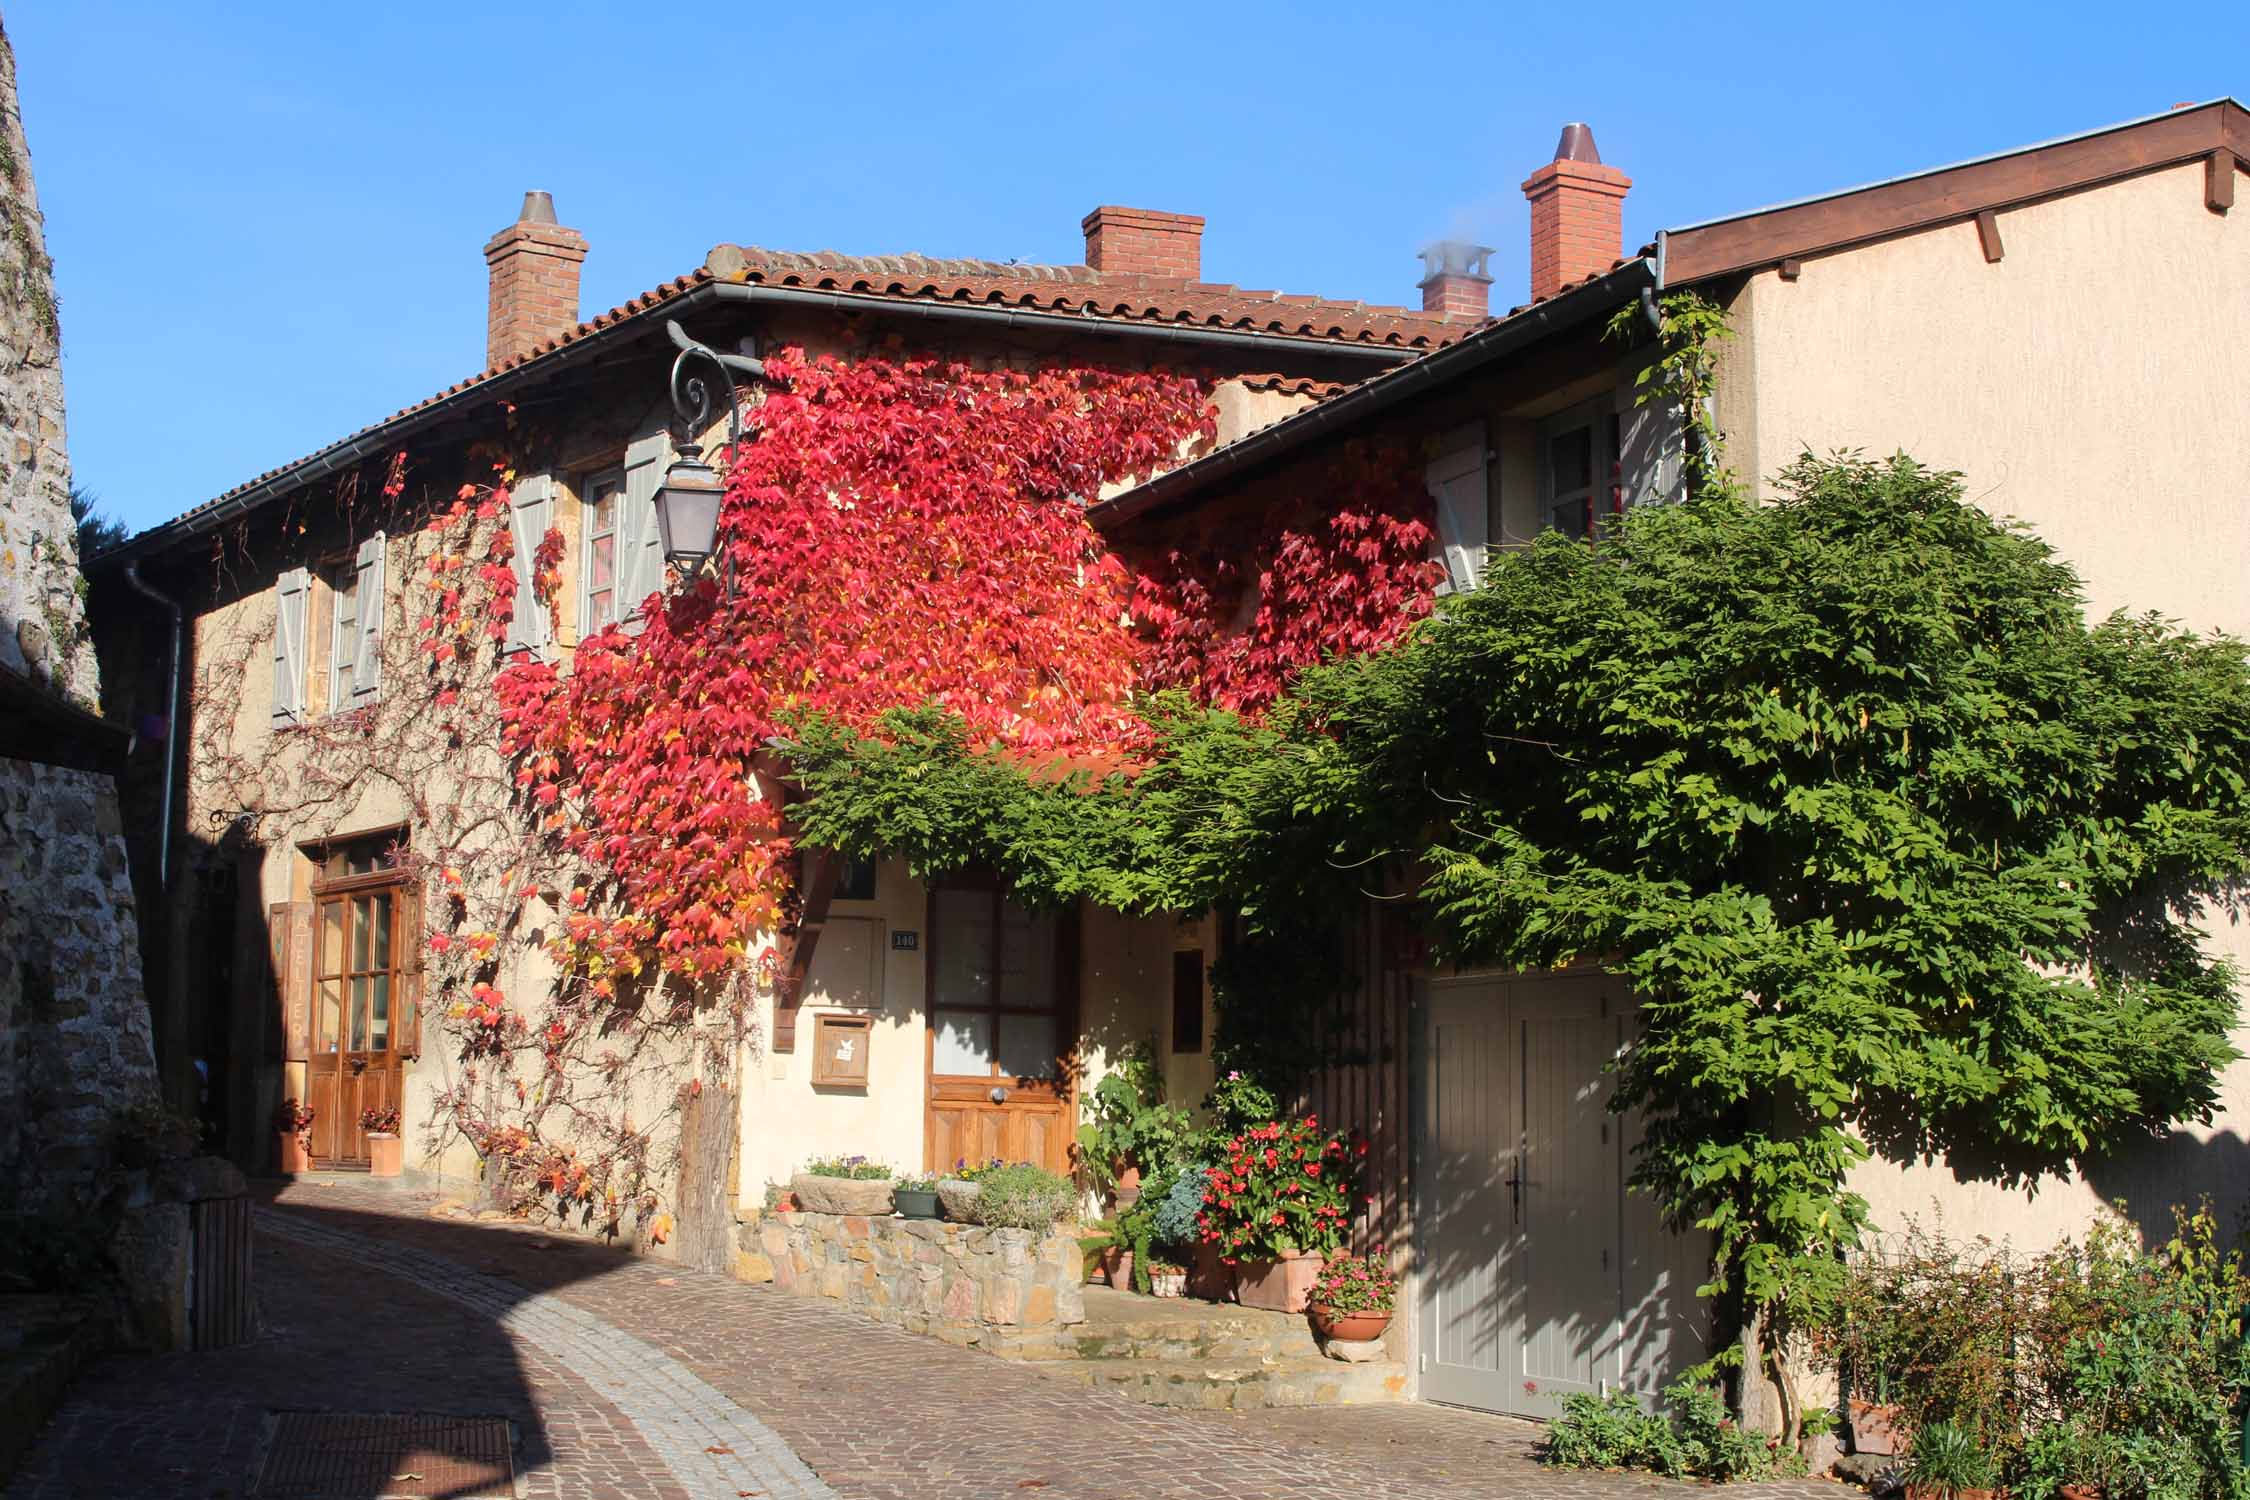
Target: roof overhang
[(648, 321), (1487, 346), (2217, 133)]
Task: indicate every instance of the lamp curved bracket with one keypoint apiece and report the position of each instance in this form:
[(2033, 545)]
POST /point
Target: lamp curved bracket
[(694, 397)]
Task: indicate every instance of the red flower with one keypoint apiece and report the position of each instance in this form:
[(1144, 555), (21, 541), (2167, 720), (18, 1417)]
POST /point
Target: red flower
[(1312, 1169)]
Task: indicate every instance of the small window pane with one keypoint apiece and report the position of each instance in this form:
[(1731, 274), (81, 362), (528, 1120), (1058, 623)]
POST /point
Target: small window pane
[(1570, 459), (331, 1016), (359, 936), (331, 938), (379, 1014), (1027, 959), (359, 1013), (382, 924), (964, 948), (604, 569), (963, 1043), (1028, 1045)]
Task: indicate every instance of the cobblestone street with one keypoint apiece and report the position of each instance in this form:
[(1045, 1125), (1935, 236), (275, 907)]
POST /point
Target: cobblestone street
[(629, 1379)]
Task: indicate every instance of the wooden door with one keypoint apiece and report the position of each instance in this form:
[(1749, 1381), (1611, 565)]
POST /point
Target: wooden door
[(1002, 1029), (361, 993), (1536, 1277)]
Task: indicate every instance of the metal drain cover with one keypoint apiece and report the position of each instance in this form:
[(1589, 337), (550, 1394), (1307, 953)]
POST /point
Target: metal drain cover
[(319, 1455)]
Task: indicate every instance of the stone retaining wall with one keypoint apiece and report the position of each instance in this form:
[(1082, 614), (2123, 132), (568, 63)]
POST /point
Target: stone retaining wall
[(1007, 1291)]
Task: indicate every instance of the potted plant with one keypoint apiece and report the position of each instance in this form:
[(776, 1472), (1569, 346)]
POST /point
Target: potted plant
[(1166, 1278), (957, 1192), (1948, 1463), (1019, 1195), (1130, 1132), (292, 1122), (843, 1185), (915, 1197), (1277, 1204), (1354, 1298), (385, 1153)]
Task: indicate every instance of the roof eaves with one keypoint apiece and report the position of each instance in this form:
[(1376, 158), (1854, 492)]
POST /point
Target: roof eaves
[(1489, 344)]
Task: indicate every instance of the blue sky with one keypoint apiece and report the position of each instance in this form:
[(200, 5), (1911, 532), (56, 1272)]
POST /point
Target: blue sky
[(267, 218)]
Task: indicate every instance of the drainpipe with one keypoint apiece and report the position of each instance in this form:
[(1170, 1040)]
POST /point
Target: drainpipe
[(171, 722)]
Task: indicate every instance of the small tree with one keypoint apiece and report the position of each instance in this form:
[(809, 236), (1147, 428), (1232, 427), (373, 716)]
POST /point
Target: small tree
[(1902, 856)]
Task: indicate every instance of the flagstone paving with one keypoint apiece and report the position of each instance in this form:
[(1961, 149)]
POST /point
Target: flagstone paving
[(631, 1379)]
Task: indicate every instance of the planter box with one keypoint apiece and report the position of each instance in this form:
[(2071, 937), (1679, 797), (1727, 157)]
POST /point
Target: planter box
[(294, 1158), (867, 1197), (958, 1199), (1282, 1285), (916, 1203), (386, 1154)]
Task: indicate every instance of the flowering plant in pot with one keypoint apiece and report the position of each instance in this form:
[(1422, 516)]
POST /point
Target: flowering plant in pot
[(1277, 1202), (1354, 1298), (293, 1122), (843, 1185), (385, 1152), (915, 1197)]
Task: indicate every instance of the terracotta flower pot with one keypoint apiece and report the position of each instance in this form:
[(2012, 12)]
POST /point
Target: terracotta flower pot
[(386, 1154), (1117, 1267), (2081, 1492), (1210, 1278), (1128, 1189), (1283, 1284), (1352, 1327), (1878, 1428), (294, 1158)]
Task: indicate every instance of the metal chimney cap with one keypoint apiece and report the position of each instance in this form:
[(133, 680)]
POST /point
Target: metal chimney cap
[(539, 208), (1577, 144)]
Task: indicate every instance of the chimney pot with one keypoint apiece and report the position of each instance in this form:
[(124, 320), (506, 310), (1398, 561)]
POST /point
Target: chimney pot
[(1144, 242), (1577, 214), (1456, 278), (532, 293)]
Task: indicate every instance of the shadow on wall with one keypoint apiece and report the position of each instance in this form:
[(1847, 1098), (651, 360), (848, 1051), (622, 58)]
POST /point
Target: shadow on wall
[(2180, 1169)]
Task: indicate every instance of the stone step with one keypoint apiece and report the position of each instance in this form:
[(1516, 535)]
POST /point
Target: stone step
[(1244, 1385), (44, 1342), (1122, 1325)]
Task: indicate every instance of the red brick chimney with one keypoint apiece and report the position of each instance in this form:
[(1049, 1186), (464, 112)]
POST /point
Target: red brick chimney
[(1144, 242), (1456, 278), (534, 287), (1577, 214)]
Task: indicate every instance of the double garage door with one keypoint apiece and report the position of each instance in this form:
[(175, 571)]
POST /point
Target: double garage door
[(1538, 1275)]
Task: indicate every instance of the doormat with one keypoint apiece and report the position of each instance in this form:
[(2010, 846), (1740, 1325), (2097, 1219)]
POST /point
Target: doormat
[(319, 1455)]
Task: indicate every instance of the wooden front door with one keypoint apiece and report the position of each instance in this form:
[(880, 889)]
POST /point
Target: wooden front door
[(363, 945), (1003, 1007)]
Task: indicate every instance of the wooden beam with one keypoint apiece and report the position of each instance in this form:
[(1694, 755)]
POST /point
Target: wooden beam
[(1988, 237), (1792, 268), (2218, 181)]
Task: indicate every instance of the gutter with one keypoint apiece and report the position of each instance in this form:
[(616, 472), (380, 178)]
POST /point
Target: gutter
[(171, 721), (349, 452), (1489, 345)]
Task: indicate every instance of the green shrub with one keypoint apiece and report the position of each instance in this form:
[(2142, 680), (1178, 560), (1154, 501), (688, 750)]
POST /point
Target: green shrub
[(1694, 1438), (1019, 1195), (1947, 1459)]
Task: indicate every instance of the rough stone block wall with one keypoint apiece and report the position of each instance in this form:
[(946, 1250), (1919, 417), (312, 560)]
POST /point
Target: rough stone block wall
[(76, 1052), (42, 613), (1006, 1291)]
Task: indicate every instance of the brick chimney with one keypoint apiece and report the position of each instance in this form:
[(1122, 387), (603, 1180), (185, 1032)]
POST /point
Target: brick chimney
[(1457, 278), (534, 286), (1577, 214), (1144, 242)]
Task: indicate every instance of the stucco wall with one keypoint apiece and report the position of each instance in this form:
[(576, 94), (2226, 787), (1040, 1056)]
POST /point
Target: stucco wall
[(2091, 383)]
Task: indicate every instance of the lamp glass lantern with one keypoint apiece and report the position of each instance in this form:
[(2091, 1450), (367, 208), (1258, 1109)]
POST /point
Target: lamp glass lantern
[(687, 512)]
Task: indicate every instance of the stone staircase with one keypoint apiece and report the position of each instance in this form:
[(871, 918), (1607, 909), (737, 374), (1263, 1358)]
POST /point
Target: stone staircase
[(44, 1341), (1213, 1356)]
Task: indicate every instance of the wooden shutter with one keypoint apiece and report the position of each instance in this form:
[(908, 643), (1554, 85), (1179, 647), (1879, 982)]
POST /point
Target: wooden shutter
[(1456, 481), (296, 979), (367, 646), (640, 549), (410, 946), (290, 593), (531, 510), (1650, 444)]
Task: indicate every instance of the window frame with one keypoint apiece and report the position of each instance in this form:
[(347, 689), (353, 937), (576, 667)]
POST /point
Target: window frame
[(1599, 418), (341, 660), (587, 486)]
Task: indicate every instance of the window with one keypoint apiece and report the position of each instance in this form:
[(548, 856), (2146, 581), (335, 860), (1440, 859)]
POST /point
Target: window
[(1570, 460), (343, 631), (1187, 1001), (362, 947), (602, 496), (1457, 486)]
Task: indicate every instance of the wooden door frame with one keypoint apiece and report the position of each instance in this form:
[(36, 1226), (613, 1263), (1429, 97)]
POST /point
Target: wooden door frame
[(1068, 963), (401, 886)]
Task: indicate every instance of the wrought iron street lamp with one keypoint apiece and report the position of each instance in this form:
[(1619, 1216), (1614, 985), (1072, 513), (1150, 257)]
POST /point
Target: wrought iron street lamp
[(687, 504)]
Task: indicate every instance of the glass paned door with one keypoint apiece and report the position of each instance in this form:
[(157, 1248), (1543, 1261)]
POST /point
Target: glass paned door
[(1002, 989), (354, 1066)]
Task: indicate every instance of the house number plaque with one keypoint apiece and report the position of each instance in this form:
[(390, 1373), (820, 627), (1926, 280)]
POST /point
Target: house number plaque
[(905, 942)]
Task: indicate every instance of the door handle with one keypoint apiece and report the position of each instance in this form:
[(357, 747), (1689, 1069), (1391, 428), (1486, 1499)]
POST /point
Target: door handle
[(359, 1065), (998, 1095)]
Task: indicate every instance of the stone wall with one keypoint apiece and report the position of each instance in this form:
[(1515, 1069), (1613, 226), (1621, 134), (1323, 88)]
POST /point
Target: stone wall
[(42, 613), (1007, 1291), (76, 1053)]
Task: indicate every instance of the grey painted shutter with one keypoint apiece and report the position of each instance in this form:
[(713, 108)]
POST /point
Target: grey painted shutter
[(1457, 482), (531, 511), (1650, 444), (291, 591), (640, 548), (367, 652)]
